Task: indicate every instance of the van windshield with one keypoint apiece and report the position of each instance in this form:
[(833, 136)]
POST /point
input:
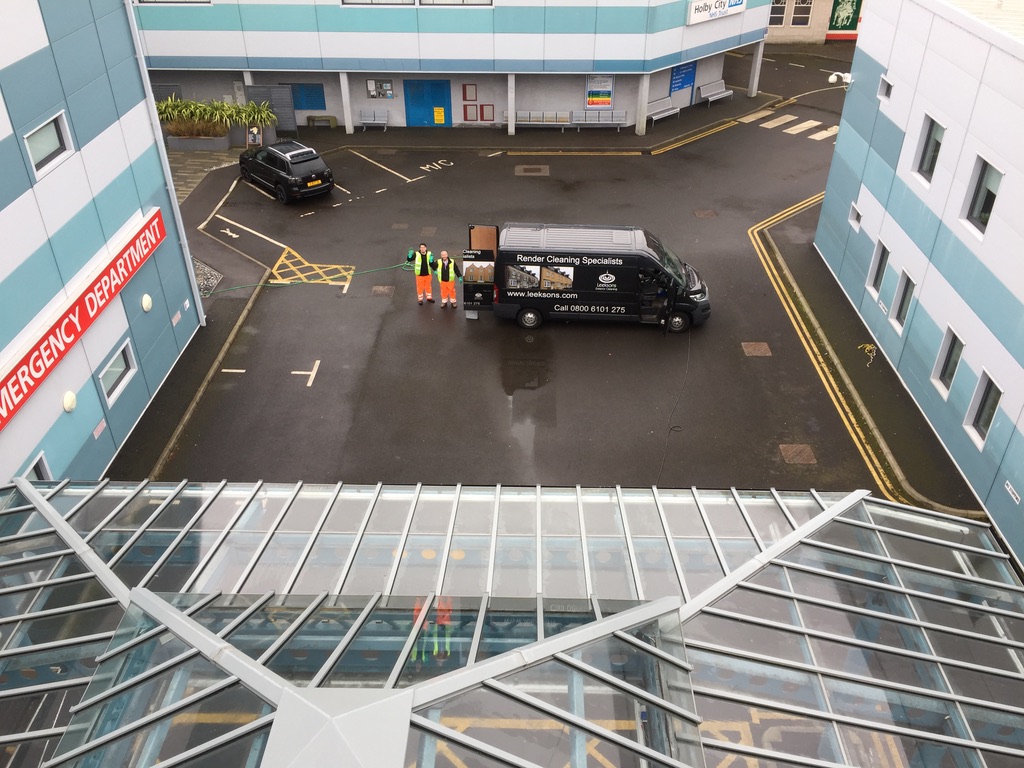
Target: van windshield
[(668, 260)]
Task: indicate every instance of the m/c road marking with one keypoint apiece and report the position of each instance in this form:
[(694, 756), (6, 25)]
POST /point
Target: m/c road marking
[(311, 374)]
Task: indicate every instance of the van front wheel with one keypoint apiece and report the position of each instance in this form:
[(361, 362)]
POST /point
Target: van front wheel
[(680, 322), (529, 318)]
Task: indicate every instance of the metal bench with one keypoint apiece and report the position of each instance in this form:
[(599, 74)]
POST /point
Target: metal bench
[(373, 117), (541, 119), (604, 118), (714, 91), (314, 120), (661, 108)]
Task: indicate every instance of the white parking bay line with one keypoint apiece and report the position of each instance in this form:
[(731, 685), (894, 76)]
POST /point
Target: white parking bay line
[(384, 167), (828, 132), (754, 116), (806, 125), (779, 121)]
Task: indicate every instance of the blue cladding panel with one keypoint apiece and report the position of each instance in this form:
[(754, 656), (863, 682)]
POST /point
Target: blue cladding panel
[(458, 20), (16, 179), (277, 18), (77, 241), (194, 18), (71, 449), (126, 83), (62, 18), (570, 20), (621, 21), (26, 291), (79, 59), (661, 18), (145, 326), (116, 203), (878, 176), (92, 110), (887, 140), (149, 180), (32, 89), (914, 217), (131, 401), (197, 62), (1000, 503), (528, 21), (101, 8), (115, 38), (160, 358)]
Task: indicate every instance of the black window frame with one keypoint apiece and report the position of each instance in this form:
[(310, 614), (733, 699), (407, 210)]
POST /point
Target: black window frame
[(983, 196), (931, 145)]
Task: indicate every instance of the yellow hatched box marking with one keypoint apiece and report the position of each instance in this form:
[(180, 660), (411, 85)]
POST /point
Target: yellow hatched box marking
[(292, 268)]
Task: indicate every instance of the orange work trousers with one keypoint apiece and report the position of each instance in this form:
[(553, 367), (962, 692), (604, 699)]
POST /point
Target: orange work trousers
[(423, 289), (447, 291)]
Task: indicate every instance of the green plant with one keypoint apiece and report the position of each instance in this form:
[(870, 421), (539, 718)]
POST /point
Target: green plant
[(185, 117), (255, 113)]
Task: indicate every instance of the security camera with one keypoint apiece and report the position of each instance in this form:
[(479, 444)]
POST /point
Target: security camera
[(834, 77)]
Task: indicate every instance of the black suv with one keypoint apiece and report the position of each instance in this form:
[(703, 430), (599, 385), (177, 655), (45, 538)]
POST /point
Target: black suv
[(290, 169)]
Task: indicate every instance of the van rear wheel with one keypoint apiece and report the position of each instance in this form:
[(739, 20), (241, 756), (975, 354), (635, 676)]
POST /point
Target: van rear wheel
[(529, 318), (680, 322)]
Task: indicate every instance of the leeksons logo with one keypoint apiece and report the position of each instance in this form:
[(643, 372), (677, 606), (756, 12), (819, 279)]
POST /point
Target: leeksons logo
[(606, 282)]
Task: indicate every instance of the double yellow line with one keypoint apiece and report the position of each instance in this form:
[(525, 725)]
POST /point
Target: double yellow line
[(876, 466)]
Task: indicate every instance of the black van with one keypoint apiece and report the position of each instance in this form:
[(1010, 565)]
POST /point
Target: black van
[(581, 272)]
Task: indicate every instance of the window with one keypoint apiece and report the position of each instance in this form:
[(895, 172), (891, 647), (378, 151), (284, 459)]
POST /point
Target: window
[(801, 13), (777, 14), (985, 189), (986, 401), (904, 294), (49, 143), (308, 96), (949, 358), (878, 271), (854, 216), (933, 135), (884, 88), (118, 372), (39, 470)]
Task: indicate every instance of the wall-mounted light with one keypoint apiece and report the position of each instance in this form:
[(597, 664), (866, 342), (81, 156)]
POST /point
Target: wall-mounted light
[(843, 77), (70, 401), (147, 302)]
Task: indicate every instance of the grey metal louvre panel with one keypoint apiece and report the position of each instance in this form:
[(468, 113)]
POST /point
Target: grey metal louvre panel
[(581, 238)]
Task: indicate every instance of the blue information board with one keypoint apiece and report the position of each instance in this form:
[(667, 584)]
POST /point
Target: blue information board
[(682, 77)]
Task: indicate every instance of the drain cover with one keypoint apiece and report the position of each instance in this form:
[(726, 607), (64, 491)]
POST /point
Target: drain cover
[(705, 213), (533, 170), (383, 290)]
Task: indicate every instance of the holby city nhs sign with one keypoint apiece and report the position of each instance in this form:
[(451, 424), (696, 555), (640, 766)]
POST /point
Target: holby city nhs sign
[(19, 382), (706, 10)]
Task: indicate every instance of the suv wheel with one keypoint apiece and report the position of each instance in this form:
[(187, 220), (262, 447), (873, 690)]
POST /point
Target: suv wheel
[(246, 174), (280, 194)]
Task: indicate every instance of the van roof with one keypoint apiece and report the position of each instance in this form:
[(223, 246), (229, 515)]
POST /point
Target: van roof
[(580, 238)]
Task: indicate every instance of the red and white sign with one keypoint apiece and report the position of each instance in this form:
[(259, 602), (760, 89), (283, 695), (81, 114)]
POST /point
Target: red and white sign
[(21, 381)]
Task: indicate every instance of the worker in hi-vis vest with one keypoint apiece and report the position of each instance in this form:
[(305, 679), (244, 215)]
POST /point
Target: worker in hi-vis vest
[(423, 266), (448, 273)]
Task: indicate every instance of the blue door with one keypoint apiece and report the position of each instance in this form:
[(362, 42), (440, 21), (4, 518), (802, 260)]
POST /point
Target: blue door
[(428, 103)]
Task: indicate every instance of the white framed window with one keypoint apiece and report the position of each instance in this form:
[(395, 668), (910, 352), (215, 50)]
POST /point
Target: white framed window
[(801, 13), (983, 408), (878, 265), (777, 13), (118, 372), (884, 88), (986, 187), (901, 307), (49, 144), (39, 470), (931, 143), (948, 361), (855, 216)]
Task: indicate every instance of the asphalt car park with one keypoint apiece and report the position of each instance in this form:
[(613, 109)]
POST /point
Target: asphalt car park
[(352, 380)]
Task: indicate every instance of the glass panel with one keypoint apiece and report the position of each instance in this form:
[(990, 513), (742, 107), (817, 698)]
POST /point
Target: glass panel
[(229, 561), (444, 641), (276, 564), (16, 574), (749, 637), (964, 533), (258, 632), (767, 729), (323, 566), (871, 629), (96, 509), (681, 513), (980, 652), (852, 537), (601, 512), (56, 665), (368, 660), (264, 508), (108, 543), (642, 512), (724, 515), (63, 626), (764, 512), (306, 509), (163, 690), (749, 602), (422, 751), (12, 498), (372, 566), (878, 665), (894, 750), (517, 512), (610, 570), (699, 563), (135, 661), (35, 712), (13, 551), (135, 622), (994, 727), (223, 508), (476, 510), (563, 615), (803, 507), (421, 563), (72, 494), (738, 552), (509, 624), (391, 509), (71, 593), (907, 710), (244, 752), (349, 509), (178, 568), (847, 593), (985, 686), (138, 510), (977, 621), (843, 564), (562, 567), (433, 509), (657, 571), (140, 558), (515, 567), (629, 663), (966, 591), (559, 512), (763, 681), (177, 733), (466, 573), (308, 649)]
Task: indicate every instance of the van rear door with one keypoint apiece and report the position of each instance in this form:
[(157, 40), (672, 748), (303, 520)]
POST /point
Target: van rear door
[(478, 267)]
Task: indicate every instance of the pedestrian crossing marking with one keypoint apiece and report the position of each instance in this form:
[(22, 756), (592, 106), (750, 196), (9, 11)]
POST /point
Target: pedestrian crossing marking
[(292, 268), (827, 133), (754, 116), (779, 121), (806, 125)]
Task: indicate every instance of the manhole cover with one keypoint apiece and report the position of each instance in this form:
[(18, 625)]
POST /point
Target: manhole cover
[(383, 290), (399, 226), (428, 231), (756, 349), (533, 170), (797, 453), (705, 213)]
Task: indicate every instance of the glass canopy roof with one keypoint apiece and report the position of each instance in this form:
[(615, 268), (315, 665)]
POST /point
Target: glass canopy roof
[(263, 624)]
